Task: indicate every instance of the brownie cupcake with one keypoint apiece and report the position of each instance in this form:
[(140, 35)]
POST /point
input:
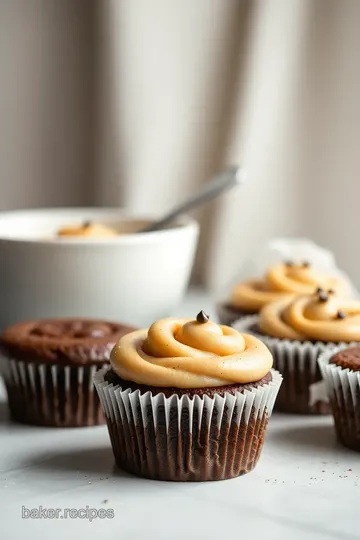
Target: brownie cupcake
[(341, 372), (188, 400), (296, 332), (48, 368), (281, 281)]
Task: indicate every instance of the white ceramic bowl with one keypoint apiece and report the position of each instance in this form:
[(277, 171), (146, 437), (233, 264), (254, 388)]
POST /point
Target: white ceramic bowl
[(131, 278)]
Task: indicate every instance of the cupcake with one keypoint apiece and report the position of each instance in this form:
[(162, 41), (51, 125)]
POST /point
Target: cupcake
[(341, 372), (48, 368), (188, 400), (281, 281), (296, 332)]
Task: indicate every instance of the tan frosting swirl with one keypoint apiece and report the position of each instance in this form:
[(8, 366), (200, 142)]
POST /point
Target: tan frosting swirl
[(185, 353), (282, 281), (87, 230), (320, 316)]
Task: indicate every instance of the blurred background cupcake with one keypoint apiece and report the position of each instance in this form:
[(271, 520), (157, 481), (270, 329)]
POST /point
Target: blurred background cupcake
[(341, 372), (297, 331), (188, 400), (281, 281), (48, 367)]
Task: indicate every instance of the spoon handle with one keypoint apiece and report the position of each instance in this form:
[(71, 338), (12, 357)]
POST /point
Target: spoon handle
[(223, 181)]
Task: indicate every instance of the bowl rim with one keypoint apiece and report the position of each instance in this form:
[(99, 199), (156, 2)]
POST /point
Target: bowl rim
[(183, 224)]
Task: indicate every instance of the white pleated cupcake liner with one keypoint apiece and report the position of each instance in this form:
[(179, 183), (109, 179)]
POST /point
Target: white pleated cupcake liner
[(183, 438), (303, 390), (343, 389), (51, 394)]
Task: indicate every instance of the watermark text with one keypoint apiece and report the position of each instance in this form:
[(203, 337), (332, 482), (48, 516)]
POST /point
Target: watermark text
[(88, 513)]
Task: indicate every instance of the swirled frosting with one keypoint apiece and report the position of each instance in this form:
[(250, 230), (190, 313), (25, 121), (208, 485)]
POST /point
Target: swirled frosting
[(185, 353), (282, 281), (321, 316), (87, 230)]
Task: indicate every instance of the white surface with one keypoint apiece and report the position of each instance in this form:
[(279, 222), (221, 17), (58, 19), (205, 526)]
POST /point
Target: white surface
[(305, 487), (43, 276)]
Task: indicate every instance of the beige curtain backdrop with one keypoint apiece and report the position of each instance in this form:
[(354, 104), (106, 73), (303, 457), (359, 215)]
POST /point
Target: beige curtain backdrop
[(137, 102)]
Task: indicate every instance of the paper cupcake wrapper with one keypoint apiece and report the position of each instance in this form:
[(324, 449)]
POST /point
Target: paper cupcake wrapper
[(182, 439), (343, 388), (302, 391), (51, 395)]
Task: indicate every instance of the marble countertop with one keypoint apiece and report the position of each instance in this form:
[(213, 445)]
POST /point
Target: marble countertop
[(305, 487)]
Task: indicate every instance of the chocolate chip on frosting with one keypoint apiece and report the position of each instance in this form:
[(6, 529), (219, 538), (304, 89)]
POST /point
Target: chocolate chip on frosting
[(306, 264), (319, 290), (323, 297), (87, 224), (331, 291), (289, 264), (202, 317), (341, 315)]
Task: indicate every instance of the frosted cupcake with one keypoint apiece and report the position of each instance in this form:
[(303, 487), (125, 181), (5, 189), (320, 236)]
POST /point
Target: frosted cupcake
[(296, 332), (341, 372), (188, 400), (281, 281)]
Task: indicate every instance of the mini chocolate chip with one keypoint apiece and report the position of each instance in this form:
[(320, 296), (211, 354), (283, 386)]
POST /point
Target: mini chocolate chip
[(87, 224), (319, 290), (331, 291), (289, 264), (323, 297), (341, 315), (202, 317), (306, 264)]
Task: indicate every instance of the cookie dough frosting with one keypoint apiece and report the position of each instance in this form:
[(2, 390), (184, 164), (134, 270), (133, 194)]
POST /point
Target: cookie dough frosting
[(186, 353), (87, 230), (282, 281), (321, 316)]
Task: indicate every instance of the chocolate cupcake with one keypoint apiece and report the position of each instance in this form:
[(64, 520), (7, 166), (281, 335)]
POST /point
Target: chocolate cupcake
[(48, 367), (341, 372), (282, 281), (296, 332), (188, 400)]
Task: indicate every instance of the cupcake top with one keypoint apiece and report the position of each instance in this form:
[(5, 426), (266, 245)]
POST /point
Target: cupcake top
[(64, 341), (321, 316), (87, 230), (347, 359), (186, 353), (282, 281)]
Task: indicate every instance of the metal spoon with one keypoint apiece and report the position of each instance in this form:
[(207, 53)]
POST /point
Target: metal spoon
[(223, 181)]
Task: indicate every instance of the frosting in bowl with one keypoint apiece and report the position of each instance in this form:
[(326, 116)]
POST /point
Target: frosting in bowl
[(186, 353), (321, 316), (281, 282), (87, 230)]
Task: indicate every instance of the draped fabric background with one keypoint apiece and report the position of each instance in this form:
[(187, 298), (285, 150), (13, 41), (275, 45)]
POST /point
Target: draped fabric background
[(136, 103)]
